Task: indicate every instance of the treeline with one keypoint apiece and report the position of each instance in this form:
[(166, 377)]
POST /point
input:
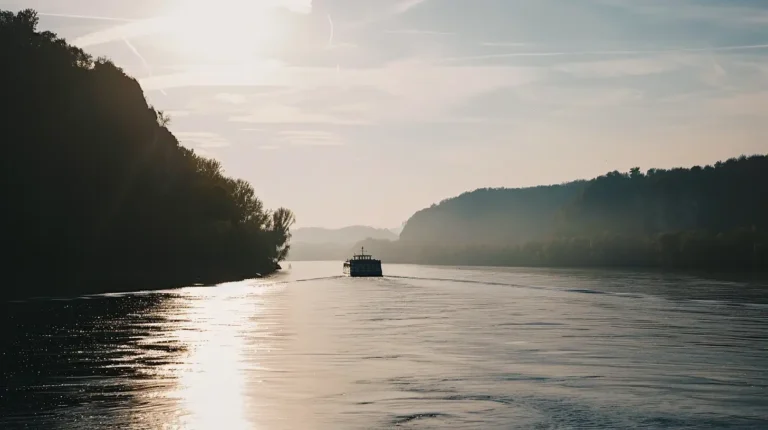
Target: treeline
[(492, 216), (740, 250), (98, 193), (712, 217), (714, 199)]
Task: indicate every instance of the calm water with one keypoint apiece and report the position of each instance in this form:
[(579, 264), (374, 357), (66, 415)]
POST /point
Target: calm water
[(426, 348)]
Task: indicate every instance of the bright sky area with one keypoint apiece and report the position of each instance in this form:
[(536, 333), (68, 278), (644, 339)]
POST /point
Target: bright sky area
[(364, 111)]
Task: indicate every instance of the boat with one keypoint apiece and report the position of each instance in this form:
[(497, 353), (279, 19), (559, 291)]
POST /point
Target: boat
[(362, 265)]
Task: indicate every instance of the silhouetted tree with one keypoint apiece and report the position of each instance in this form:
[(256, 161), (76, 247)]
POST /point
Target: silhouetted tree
[(99, 194)]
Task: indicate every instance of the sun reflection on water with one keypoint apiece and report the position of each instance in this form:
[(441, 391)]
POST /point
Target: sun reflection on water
[(212, 381)]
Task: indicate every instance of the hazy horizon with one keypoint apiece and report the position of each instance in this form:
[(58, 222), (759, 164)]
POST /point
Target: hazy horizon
[(355, 112)]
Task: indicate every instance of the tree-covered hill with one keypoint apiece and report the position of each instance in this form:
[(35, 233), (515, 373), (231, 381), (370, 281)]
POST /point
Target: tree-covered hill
[(491, 216), (718, 198), (345, 236), (99, 195), (711, 217), (318, 244)]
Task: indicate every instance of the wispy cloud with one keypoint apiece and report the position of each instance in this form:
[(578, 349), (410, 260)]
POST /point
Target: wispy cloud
[(745, 105), (296, 6), (130, 30), (141, 58), (608, 53), (423, 32), (201, 139), (621, 67), (584, 97), (235, 99), (310, 138), (263, 74), (406, 5), (178, 113), (88, 17), (332, 32), (404, 91), (505, 44), (162, 24), (726, 13), (284, 114)]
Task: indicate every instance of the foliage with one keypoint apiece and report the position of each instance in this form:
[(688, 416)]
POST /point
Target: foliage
[(736, 250), (703, 217), (491, 216), (99, 193)]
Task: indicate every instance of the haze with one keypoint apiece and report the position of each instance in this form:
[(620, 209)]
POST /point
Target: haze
[(362, 112)]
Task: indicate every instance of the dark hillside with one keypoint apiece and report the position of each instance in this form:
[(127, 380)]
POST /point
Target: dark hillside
[(98, 193), (492, 216), (712, 217)]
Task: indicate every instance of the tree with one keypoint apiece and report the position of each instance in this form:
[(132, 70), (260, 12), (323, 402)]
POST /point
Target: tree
[(711, 217), (99, 191)]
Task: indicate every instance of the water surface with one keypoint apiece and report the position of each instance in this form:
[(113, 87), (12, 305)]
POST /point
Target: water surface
[(424, 347)]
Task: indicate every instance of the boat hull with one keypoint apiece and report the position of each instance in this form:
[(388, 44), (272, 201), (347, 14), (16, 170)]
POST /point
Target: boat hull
[(365, 275), (363, 271)]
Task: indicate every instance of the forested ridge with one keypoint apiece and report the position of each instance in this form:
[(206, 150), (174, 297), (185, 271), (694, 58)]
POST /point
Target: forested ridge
[(99, 194), (316, 244), (704, 217)]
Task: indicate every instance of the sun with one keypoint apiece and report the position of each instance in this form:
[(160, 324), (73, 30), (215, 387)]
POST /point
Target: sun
[(222, 30)]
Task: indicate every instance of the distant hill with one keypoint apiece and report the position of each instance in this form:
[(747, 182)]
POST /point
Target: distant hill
[(703, 217), (316, 243), (347, 235), (492, 216), (397, 230)]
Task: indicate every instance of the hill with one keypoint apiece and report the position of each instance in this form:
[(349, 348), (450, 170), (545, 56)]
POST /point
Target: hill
[(710, 217), (492, 216), (98, 193), (317, 244), (347, 235)]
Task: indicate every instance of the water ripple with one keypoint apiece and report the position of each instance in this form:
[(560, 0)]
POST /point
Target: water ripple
[(424, 347)]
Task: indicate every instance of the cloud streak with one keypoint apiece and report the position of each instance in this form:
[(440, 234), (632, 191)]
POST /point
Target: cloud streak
[(505, 44), (202, 140), (144, 27), (130, 30), (417, 32), (607, 53), (235, 99), (142, 59), (330, 37), (727, 13), (88, 17), (406, 5), (284, 114), (310, 138)]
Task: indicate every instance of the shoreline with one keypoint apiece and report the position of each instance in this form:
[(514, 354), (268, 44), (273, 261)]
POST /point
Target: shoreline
[(131, 287)]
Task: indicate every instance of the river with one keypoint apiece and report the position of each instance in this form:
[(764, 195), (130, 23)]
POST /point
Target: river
[(424, 347)]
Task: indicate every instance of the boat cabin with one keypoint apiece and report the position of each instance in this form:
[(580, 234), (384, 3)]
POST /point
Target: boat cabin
[(362, 265)]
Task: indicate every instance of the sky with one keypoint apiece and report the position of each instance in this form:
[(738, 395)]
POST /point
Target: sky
[(365, 111)]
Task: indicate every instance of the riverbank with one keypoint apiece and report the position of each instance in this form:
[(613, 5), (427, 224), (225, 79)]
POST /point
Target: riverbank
[(51, 288)]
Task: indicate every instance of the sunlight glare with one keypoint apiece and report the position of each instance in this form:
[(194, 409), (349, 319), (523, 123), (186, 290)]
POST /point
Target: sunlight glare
[(223, 30), (212, 381)]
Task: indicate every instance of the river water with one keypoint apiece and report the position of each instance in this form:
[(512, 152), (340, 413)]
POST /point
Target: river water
[(424, 347)]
